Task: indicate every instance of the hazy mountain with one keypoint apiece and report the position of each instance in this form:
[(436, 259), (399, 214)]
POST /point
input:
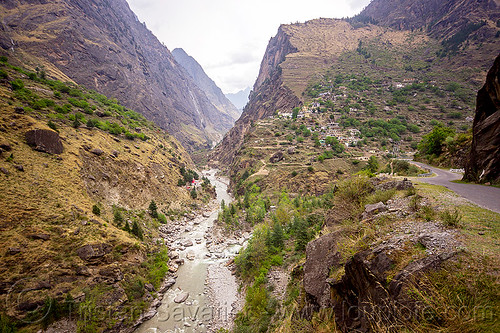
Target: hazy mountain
[(240, 98), (205, 83)]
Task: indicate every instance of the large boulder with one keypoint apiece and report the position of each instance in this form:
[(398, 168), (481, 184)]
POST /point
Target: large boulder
[(182, 297), (93, 251), (44, 140), (321, 255), (278, 156), (484, 158), (373, 209)]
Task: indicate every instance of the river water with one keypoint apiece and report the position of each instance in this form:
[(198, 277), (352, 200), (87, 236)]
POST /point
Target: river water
[(199, 313)]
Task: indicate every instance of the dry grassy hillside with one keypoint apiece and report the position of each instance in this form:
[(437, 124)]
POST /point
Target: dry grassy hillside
[(320, 43), (75, 223)]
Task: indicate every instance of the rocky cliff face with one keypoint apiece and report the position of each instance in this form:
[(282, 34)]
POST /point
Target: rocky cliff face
[(103, 46), (484, 159), (229, 113), (441, 18)]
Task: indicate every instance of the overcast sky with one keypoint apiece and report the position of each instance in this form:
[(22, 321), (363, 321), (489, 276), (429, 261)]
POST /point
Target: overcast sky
[(229, 37)]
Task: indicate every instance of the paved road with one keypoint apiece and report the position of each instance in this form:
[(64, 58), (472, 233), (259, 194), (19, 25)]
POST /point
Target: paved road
[(485, 196)]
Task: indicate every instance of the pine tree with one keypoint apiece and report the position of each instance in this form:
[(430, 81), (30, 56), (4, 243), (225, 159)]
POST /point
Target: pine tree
[(277, 236), (117, 217), (153, 209), (127, 227), (301, 234), (136, 230)]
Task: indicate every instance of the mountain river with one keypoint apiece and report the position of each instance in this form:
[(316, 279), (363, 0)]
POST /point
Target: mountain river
[(211, 289)]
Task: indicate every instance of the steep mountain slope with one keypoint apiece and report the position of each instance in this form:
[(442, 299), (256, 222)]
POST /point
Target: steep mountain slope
[(78, 172), (205, 83), (440, 18), (103, 46), (303, 61), (240, 98)]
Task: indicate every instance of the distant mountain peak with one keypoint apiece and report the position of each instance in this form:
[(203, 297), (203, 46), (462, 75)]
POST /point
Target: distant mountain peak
[(240, 98), (207, 85)]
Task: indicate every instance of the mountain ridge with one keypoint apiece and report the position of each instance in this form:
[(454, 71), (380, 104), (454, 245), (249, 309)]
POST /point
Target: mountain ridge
[(208, 86), (103, 46)]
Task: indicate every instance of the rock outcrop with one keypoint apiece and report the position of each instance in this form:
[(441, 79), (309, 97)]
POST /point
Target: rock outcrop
[(44, 140), (93, 251), (373, 286), (268, 95), (321, 255), (484, 159)]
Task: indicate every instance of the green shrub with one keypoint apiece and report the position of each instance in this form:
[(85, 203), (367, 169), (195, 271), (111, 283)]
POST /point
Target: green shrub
[(414, 203), (76, 122), (380, 196), (52, 125), (96, 210), (17, 84), (137, 231), (427, 213), (92, 122), (3, 59), (353, 190), (162, 218), (451, 219), (3, 74), (372, 165), (410, 191)]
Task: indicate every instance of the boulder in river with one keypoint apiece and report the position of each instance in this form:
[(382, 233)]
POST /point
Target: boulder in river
[(173, 255), (182, 297)]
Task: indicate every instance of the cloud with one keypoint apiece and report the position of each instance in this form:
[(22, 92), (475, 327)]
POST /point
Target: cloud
[(358, 5)]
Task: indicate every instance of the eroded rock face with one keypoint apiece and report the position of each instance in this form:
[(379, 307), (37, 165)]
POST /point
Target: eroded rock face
[(93, 251), (321, 254), (484, 158), (44, 140), (372, 289)]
